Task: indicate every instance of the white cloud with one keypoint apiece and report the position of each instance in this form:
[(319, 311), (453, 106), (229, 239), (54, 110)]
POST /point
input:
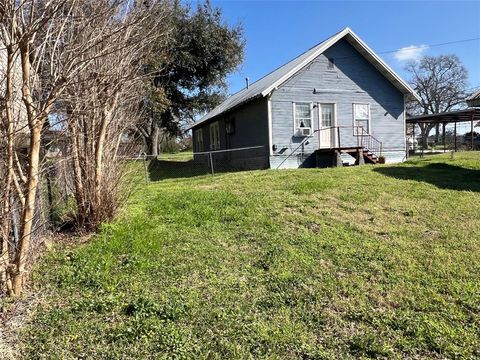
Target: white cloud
[(410, 53)]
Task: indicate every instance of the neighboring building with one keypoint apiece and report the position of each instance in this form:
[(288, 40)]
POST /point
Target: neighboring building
[(335, 99), (474, 100)]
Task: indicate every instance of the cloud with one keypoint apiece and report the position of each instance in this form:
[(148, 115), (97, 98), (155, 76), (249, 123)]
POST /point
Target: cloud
[(410, 53)]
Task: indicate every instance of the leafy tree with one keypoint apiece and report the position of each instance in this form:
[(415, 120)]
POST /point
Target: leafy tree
[(441, 82), (191, 78)]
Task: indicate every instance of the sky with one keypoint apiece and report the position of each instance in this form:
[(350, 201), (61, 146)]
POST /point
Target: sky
[(278, 31)]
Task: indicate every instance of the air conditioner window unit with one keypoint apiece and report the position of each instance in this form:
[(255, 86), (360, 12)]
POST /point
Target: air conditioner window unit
[(303, 132)]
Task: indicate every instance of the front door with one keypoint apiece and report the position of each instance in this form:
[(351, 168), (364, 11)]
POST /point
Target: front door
[(326, 120)]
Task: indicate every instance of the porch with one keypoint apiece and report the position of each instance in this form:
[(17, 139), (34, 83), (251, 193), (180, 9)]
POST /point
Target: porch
[(335, 142)]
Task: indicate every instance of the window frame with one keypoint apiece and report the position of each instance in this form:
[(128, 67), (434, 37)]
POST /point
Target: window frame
[(334, 114), (199, 145), (295, 128), (354, 119), (230, 126), (215, 144)]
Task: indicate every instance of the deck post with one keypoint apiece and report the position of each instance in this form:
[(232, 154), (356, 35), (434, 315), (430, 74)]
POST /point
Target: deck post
[(360, 160), (337, 159)]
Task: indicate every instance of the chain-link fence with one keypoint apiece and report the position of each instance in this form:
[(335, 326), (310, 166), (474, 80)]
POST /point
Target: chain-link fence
[(54, 208), (188, 164), (460, 136)]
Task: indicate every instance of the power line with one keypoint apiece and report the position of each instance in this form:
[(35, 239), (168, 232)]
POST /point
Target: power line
[(431, 45)]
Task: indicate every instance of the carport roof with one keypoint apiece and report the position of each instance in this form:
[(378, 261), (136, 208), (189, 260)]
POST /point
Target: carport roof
[(447, 117)]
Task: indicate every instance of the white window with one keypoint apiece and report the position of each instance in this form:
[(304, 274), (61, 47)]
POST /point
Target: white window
[(326, 115), (199, 140), (361, 118), (303, 118), (214, 136)]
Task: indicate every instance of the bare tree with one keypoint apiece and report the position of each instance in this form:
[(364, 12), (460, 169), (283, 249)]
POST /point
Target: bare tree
[(71, 54), (111, 89), (441, 83)]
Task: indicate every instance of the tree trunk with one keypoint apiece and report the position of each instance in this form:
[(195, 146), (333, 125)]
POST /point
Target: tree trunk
[(5, 223), (425, 131), (152, 142), (28, 212), (77, 175), (99, 147), (35, 125)]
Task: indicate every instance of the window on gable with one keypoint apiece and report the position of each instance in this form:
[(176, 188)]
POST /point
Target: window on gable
[(361, 118), (331, 63), (199, 140), (214, 136), (303, 119)]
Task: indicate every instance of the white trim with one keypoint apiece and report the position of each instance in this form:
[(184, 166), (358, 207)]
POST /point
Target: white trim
[(334, 122), (369, 130), (384, 65), (407, 147), (328, 44), (295, 118), (270, 126)]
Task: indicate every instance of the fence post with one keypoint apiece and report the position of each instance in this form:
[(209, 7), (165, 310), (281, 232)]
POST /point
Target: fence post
[(145, 168), (211, 162)]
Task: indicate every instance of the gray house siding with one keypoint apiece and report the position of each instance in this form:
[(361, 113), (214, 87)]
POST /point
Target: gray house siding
[(251, 129), (353, 80)]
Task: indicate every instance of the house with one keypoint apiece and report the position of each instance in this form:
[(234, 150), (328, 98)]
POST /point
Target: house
[(336, 100), (474, 100)]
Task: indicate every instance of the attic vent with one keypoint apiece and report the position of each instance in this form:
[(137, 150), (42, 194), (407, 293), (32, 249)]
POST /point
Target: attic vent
[(331, 64)]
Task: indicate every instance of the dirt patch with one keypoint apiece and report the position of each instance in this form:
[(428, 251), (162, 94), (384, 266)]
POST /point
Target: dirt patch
[(14, 315)]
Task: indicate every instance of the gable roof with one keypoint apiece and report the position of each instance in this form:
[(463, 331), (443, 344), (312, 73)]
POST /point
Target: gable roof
[(264, 86), (474, 100)]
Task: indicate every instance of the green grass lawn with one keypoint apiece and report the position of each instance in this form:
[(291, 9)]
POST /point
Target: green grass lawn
[(371, 261)]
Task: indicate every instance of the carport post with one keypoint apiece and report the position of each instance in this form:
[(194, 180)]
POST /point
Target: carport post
[(444, 140), (413, 142), (455, 136), (471, 132)]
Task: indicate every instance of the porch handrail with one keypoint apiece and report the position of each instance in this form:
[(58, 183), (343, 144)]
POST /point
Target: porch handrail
[(363, 138), (298, 147)]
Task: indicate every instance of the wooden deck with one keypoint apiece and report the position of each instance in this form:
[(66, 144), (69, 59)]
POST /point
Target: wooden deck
[(362, 155)]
